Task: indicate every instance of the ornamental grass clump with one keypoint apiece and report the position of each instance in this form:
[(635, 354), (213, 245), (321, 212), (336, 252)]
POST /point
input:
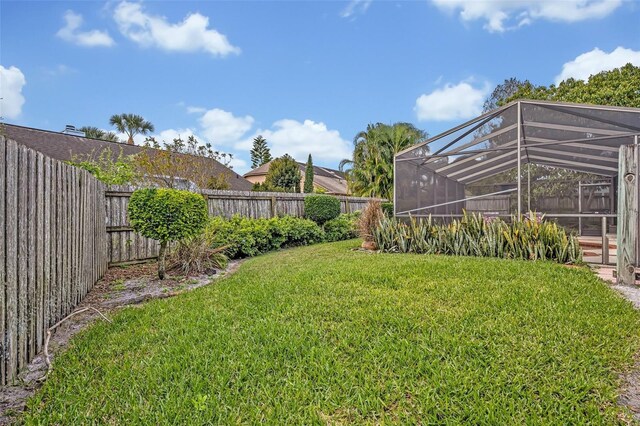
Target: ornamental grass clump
[(197, 255), (528, 237), (370, 220)]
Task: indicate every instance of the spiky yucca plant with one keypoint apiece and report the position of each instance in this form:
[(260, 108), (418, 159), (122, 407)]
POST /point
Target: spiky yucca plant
[(526, 237)]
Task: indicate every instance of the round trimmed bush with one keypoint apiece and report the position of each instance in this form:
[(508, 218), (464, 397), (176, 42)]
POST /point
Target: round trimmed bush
[(321, 208), (166, 215)]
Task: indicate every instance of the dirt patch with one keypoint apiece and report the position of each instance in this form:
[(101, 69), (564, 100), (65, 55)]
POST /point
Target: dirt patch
[(121, 286), (630, 392)]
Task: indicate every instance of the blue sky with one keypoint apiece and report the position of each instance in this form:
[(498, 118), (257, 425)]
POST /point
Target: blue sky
[(307, 75)]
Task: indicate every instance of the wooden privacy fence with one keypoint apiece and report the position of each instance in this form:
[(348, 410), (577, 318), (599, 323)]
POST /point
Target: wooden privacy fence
[(498, 204), (124, 245), (52, 248)]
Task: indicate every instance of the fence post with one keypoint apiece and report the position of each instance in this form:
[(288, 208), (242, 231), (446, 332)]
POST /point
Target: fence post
[(605, 242), (273, 206), (627, 214)]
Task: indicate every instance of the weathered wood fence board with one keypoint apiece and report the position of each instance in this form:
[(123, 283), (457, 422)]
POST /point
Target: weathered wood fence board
[(124, 245), (628, 197), (52, 248), (494, 204)]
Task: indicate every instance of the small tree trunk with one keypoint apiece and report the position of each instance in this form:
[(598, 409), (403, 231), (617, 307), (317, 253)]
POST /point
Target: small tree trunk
[(161, 256)]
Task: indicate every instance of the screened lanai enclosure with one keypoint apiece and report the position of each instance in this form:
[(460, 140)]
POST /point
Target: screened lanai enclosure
[(559, 159)]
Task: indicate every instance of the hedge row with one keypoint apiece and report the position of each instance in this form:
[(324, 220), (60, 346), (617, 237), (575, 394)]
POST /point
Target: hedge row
[(246, 237)]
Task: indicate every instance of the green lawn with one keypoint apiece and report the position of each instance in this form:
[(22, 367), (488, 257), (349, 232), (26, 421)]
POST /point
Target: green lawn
[(326, 335)]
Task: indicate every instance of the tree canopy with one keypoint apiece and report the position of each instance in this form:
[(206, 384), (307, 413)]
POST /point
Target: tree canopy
[(260, 153), (370, 170), (284, 173), (502, 92), (131, 125), (618, 87), (93, 132), (186, 159), (308, 176)]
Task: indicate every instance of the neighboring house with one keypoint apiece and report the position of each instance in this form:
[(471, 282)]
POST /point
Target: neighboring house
[(70, 142), (324, 180)]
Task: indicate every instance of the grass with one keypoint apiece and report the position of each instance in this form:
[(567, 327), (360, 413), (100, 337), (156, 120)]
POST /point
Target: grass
[(118, 285), (325, 335)]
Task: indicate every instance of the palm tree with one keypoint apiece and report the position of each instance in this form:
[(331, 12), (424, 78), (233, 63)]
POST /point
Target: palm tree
[(370, 170), (131, 125), (93, 132)]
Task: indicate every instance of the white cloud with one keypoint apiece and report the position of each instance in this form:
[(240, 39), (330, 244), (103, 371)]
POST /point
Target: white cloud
[(169, 135), (70, 32), (195, 110), (301, 139), (59, 70), (596, 61), (355, 7), (222, 127), (11, 81), (501, 15), (190, 35), (452, 102)]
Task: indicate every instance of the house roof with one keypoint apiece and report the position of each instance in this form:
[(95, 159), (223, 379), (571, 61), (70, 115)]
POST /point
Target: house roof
[(259, 171), (333, 181), (64, 147)]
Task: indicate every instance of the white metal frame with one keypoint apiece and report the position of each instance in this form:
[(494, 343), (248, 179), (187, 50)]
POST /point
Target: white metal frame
[(596, 153)]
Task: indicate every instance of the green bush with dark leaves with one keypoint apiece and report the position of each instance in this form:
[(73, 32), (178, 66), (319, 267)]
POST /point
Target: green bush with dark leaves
[(343, 227), (527, 237), (167, 215), (321, 208), (245, 237)]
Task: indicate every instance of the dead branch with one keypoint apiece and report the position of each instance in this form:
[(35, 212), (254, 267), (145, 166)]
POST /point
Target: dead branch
[(47, 359)]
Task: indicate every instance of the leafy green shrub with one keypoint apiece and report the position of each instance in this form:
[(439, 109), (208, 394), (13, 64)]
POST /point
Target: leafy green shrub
[(529, 238), (344, 227), (297, 232), (166, 215), (387, 209), (321, 208), (284, 172), (266, 187), (106, 167), (245, 237)]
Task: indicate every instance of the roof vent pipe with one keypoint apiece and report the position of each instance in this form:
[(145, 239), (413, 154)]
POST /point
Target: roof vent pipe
[(72, 131)]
